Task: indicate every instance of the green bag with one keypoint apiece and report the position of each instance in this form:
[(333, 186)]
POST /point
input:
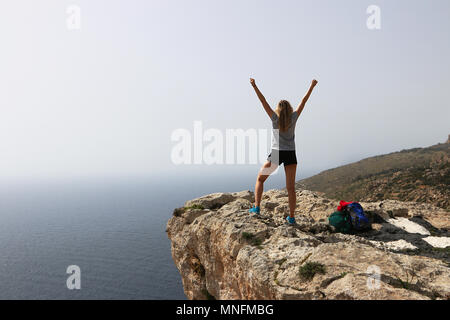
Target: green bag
[(341, 221)]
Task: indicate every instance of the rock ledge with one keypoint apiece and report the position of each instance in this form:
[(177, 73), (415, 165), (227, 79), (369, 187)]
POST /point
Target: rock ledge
[(223, 252)]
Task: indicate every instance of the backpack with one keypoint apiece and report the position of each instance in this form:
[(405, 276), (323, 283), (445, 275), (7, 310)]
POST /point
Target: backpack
[(360, 221), (341, 221)]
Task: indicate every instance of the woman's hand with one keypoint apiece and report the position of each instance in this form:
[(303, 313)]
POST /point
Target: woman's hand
[(252, 82)]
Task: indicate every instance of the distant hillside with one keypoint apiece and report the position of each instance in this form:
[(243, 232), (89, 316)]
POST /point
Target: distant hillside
[(420, 174)]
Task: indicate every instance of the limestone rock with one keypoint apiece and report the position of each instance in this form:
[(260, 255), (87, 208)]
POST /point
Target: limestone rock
[(211, 201), (223, 251)]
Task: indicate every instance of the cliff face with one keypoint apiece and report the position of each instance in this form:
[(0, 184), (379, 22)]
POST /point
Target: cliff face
[(223, 252)]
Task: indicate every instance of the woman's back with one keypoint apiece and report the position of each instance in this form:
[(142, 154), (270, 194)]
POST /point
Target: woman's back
[(283, 140)]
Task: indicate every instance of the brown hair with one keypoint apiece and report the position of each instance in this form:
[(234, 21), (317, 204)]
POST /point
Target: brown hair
[(284, 112)]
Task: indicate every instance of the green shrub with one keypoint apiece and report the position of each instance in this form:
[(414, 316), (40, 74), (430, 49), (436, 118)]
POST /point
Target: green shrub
[(178, 212), (309, 270), (247, 235), (195, 206), (445, 250), (252, 239)]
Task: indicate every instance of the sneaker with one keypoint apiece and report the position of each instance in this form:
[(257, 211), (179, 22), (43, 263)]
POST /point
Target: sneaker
[(290, 220), (255, 210)]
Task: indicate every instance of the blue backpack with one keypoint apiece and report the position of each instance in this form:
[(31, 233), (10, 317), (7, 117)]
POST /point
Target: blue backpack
[(359, 219)]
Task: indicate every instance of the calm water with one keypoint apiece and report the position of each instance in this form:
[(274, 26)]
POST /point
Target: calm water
[(113, 230)]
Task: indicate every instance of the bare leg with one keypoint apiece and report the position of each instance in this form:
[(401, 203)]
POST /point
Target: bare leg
[(263, 174), (290, 171)]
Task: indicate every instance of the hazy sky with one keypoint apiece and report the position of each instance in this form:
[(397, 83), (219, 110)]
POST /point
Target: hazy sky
[(104, 100)]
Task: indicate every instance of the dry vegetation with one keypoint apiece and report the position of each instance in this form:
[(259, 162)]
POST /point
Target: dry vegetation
[(420, 174)]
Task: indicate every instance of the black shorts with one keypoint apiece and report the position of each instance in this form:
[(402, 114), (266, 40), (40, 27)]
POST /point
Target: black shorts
[(286, 157)]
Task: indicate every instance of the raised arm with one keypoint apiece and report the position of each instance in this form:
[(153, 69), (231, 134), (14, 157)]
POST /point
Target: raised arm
[(261, 98), (306, 97)]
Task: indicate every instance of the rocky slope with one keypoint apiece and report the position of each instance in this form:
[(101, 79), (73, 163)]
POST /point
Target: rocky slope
[(223, 252), (420, 174)]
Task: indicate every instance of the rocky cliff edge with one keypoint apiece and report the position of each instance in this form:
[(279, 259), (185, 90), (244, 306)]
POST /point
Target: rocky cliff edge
[(223, 252)]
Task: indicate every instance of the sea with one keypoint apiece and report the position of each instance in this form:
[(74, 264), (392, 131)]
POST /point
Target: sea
[(112, 229)]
